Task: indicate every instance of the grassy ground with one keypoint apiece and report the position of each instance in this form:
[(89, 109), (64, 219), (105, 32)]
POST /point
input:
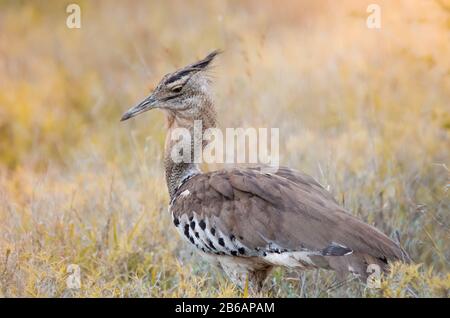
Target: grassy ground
[(366, 112)]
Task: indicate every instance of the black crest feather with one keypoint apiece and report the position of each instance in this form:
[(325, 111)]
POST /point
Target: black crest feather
[(206, 61), (193, 68)]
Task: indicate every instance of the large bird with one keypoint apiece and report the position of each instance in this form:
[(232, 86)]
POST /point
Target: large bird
[(246, 220)]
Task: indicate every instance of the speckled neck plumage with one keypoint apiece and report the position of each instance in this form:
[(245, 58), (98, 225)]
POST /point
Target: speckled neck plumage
[(177, 172)]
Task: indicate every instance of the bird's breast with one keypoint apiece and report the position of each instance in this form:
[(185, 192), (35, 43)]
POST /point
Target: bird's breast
[(206, 236)]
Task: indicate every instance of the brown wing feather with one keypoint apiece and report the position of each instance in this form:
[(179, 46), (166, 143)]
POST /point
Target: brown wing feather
[(287, 209)]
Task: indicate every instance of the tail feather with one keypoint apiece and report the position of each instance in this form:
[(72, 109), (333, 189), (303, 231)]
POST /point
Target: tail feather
[(362, 264)]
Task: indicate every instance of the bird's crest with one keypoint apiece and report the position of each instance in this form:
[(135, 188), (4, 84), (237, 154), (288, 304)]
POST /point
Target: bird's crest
[(193, 68)]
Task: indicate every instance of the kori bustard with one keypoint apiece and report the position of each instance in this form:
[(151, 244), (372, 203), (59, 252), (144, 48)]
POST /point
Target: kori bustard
[(247, 221)]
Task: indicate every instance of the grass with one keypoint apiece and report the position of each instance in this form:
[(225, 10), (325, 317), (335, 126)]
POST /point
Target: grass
[(364, 111)]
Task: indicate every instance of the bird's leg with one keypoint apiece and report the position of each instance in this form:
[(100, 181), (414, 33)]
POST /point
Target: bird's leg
[(255, 285), (237, 277), (251, 280), (256, 280)]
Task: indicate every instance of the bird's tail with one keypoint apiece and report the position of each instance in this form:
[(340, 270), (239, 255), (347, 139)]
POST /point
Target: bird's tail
[(364, 265)]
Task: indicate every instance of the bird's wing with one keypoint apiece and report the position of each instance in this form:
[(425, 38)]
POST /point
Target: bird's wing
[(282, 211), (303, 180)]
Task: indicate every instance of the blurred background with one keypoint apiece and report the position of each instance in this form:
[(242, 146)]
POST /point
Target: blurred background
[(365, 111)]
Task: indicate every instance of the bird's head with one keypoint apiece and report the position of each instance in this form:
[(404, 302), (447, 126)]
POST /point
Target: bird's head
[(182, 93)]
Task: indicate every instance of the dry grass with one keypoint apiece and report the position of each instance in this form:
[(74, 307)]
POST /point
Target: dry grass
[(364, 111)]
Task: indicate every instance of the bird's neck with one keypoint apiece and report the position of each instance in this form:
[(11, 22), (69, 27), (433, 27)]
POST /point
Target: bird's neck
[(177, 172)]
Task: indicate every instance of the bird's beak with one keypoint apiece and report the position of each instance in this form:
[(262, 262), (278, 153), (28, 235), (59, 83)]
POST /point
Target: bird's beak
[(143, 106)]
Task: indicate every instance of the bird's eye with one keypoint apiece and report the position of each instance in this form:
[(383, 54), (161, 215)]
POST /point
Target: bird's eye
[(177, 89)]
